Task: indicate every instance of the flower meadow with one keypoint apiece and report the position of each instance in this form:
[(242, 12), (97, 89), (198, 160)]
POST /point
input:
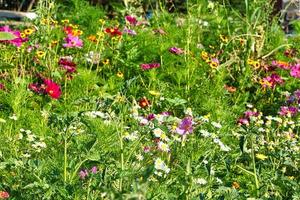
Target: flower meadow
[(201, 105)]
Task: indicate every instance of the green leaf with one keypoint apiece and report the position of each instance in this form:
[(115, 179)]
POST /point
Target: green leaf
[(7, 36)]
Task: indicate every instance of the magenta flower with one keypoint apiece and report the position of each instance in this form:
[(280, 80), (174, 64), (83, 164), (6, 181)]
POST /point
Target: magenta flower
[(131, 20), (272, 81), (285, 111), (185, 126), (83, 174), (149, 66), (73, 41), (68, 65), (94, 170), (2, 86), (176, 50), (18, 41), (243, 121), (250, 113), (151, 117), (281, 64), (295, 71)]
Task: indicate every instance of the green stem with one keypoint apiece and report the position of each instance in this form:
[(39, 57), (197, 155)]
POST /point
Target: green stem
[(65, 161), (254, 170)]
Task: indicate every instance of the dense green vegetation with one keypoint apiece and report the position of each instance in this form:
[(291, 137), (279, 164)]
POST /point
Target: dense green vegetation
[(202, 105)]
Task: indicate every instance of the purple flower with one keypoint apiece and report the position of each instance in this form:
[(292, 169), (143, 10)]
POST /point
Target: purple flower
[(285, 111), (72, 41), (176, 50), (149, 66), (94, 170), (295, 71), (129, 31), (83, 174), (185, 126), (151, 117), (297, 94)]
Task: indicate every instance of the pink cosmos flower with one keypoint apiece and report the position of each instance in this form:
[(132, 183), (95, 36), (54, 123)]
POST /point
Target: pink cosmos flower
[(18, 41), (131, 20), (176, 50), (295, 71), (149, 66), (73, 41), (52, 89)]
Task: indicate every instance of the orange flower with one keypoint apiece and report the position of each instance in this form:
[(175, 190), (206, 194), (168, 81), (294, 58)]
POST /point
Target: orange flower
[(230, 89), (92, 38), (144, 102), (235, 185)]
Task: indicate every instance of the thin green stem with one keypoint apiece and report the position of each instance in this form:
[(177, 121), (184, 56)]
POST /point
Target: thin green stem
[(65, 160)]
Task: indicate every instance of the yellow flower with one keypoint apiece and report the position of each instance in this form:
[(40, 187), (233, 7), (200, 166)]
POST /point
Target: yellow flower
[(54, 22), (242, 41), (100, 34), (120, 75), (28, 31), (65, 21), (40, 54), (106, 61), (223, 38), (261, 156), (250, 61), (53, 43), (154, 93), (23, 35), (74, 26), (256, 64), (77, 32), (44, 21), (204, 55), (102, 21), (265, 83), (214, 65)]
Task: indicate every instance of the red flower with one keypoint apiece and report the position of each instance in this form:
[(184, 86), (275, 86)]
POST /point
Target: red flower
[(4, 195), (113, 31), (52, 89)]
